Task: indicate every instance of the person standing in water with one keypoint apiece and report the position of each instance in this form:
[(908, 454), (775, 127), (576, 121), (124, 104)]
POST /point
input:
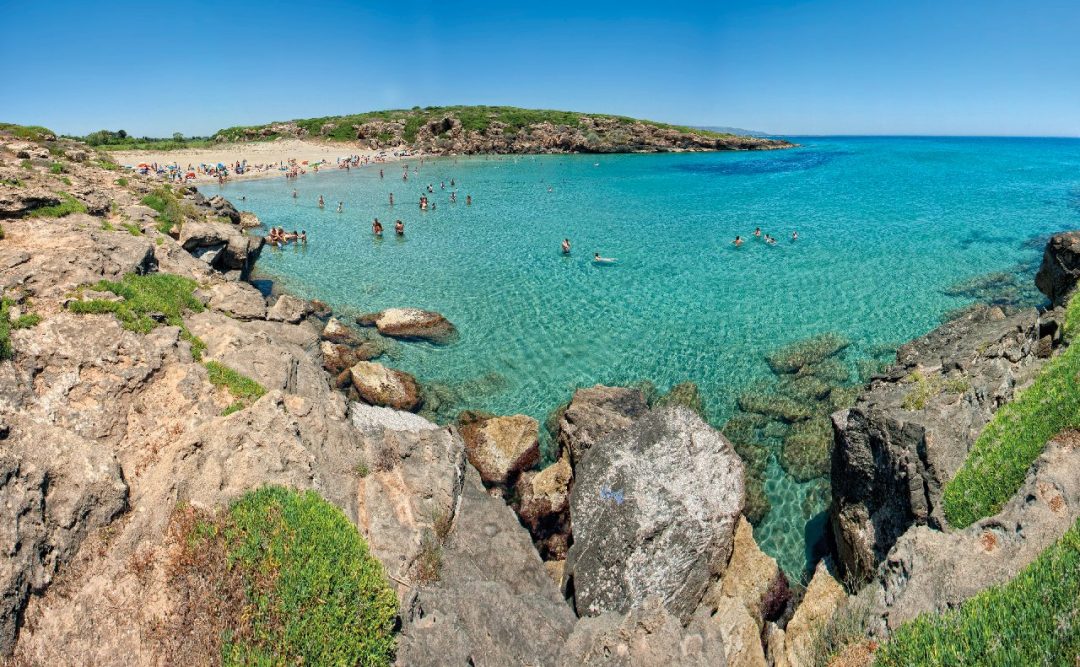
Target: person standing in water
[(294, 194), (757, 232), (737, 242), (376, 228), (391, 198), (322, 203), (795, 235), (399, 228), (468, 200), (566, 246), (380, 173), (340, 206)]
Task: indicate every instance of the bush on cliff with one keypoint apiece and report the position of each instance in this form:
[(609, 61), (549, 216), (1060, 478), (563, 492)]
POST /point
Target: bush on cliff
[(67, 206), (280, 578), (998, 462), (1032, 620), (171, 212)]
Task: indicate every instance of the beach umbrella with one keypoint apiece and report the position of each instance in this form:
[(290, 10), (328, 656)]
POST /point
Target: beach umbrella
[(143, 165)]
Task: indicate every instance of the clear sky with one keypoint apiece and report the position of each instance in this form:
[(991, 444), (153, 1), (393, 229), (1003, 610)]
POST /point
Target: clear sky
[(829, 67)]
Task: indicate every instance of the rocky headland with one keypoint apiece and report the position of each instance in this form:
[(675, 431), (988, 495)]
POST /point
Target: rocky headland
[(493, 130), (144, 380)]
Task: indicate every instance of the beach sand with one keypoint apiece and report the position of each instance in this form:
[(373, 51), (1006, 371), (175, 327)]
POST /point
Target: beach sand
[(262, 152)]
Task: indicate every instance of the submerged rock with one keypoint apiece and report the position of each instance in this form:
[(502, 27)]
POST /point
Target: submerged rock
[(411, 324), (807, 449), (501, 448), (685, 394), (378, 385), (806, 352), (654, 509)]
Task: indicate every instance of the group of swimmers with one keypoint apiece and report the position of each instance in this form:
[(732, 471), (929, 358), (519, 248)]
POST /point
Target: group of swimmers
[(596, 256), (279, 237), (769, 240), (377, 228)]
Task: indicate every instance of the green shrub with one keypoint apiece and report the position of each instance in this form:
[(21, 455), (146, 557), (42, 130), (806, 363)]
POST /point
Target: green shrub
[(1, 232), (67, 206), (240, 386), (999, 460), (313, 593), (133, 229), (1032, 620), (235, 406), (26, 164), (28, 132), (56, 168), (26, 321), (122, 182), (107, 226)]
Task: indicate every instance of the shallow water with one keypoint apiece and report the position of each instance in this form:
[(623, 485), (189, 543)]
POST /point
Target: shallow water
[(886, 227)]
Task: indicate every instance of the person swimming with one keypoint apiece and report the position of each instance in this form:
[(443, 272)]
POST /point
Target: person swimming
[(603, 260), (757, 232), (566, 246), (795, 235), (294, 194), (737, 242), (399, 228)]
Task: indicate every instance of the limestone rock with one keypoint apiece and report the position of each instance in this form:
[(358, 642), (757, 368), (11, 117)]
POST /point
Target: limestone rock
[(378, 385), (413, 324), (741, 633), (654, 509), (221, 246), (223, 207), (646, 636), (594, 413), (288, 309), (501, 448), (55, 488), (493, 602), (928, 571), (240, 300), (749, 576), (543, 506), (892, 455), (1060, 267), (16, 202), (823, 597)]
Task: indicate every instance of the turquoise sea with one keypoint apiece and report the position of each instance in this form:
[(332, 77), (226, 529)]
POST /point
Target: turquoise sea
[(893, 234)]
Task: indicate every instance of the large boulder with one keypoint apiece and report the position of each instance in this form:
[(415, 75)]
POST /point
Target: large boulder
[(752, 578), (289, 309), (221, 246), (336, 332), (645, 636), (654, 509), (911, 428), (501, 448), (224, 208), (595, 412), (378, 385), (412, 324), (1060, 267)]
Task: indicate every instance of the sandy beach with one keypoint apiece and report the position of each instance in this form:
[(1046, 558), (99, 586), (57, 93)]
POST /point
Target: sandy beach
[(256, 154)]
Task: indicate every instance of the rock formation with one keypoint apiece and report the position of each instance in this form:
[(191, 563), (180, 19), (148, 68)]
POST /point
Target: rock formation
[(654, 509), (911, 429), (411, 324)]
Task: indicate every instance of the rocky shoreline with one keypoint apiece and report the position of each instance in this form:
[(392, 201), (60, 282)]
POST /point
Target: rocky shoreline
[(632, 548)]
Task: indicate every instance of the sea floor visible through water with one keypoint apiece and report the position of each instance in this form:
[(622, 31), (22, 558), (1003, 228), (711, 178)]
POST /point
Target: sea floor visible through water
[(893, 234)]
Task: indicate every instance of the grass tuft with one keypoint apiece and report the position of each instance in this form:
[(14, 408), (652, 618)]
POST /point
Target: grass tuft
[(239, 385), (67, 206)]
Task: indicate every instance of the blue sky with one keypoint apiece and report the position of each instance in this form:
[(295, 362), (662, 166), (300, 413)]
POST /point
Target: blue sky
[(830, 67)]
